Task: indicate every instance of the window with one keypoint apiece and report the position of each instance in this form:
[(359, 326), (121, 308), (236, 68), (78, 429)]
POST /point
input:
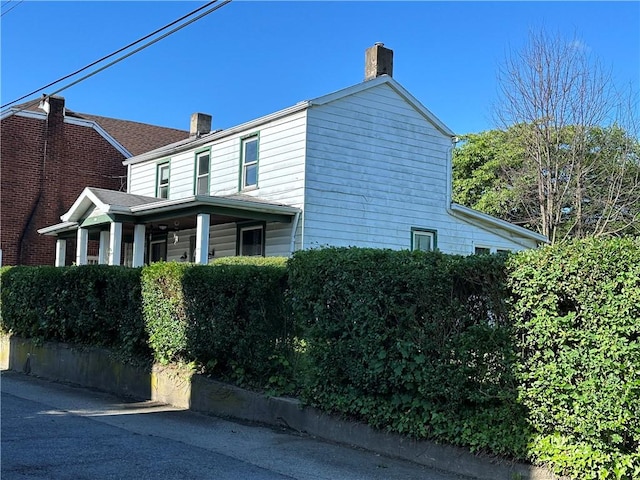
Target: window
[(249, 154), (202, 173), (163, 181), (423, 239), (250, 240), (158, 250), (482, 250)]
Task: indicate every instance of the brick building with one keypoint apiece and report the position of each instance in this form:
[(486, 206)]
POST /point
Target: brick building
[(48, 155)]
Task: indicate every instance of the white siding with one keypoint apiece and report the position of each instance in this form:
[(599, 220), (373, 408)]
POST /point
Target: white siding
[(143, 178), (375, 169)]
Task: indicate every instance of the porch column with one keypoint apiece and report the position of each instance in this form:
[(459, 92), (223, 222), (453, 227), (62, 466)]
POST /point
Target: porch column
[(202, 239), (103, 252), (115, 243), (61, 252), (82, 244), (138, 245)]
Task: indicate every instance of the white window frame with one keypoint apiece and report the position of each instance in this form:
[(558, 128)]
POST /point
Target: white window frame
[(200, 175), (246, 228), (431, 234), (245, 166), (161, 186)]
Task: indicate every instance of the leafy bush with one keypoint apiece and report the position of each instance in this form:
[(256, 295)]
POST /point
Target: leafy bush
[(578, 311), (89, 305), (230, 317), (415, 343)]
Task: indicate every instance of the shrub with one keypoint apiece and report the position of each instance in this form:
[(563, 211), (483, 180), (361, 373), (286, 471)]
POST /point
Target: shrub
[(417, 343), (228, 317), (89, 305), (578, 311)]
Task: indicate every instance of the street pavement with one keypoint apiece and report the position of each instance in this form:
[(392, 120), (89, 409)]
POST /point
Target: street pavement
[(55, 431)]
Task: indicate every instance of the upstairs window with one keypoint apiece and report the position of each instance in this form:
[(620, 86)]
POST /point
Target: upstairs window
[(423, 239), (202, 173), (249, 171), (162, 190), (251, 240)]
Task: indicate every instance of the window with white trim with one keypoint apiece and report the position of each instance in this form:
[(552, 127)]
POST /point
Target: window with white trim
[(481, 250), (163, 180), (202, 173), (251, 240), (423, 239), (249, 169)]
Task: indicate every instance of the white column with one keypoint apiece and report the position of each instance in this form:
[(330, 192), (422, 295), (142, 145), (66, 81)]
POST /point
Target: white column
[(115, 243), (202, 239), (82, 244), (61, 252), (103, 252), (138, 245)]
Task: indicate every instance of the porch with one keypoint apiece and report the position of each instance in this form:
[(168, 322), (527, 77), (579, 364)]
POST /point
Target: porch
[(131, 230)]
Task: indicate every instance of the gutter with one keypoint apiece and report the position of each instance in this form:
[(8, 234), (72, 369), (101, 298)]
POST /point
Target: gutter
[(460, 211)]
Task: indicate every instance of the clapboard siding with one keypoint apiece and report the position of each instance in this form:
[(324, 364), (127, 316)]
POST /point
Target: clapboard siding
[(143, 178), (376, 167)]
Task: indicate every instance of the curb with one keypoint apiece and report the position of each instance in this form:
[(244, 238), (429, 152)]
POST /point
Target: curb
[(181, 387)]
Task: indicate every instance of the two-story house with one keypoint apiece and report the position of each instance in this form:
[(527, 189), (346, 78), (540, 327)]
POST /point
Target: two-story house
[(366, 166), (48, 155)]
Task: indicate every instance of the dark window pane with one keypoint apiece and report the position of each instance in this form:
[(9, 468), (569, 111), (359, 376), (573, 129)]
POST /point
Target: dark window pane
[(203, 164), (251, 175), (251, 151)]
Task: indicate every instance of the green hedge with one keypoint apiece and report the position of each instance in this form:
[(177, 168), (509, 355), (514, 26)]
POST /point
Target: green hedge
[(416, 343), (578, 312), (90, 305), (229, 317)]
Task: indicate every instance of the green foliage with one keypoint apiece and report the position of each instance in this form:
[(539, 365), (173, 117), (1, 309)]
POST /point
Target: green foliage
[(416, 343), (578, 311), (229, 317), (88, 305)]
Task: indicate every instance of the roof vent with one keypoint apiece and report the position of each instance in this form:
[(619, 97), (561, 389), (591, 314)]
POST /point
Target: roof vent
[(378, 60)]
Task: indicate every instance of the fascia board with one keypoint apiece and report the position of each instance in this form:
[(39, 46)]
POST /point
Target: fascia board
[(480, 217), (22, 113), (199, 200), (84, 201), (57, 228), (101, 131)]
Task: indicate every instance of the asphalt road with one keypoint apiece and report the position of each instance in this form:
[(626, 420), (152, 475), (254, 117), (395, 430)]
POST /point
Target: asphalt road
[(55, 431)]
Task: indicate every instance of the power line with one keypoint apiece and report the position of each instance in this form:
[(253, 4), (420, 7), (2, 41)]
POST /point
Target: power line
[(7, 11), (214, 8)]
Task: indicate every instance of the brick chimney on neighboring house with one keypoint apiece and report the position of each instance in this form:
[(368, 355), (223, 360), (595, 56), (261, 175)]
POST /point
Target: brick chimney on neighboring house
[(378, 61), (200, 124)]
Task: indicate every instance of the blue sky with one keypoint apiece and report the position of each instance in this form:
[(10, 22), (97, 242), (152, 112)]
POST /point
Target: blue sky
[(251, 58)]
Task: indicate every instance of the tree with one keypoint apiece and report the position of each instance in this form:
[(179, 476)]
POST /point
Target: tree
[(581, 158), (491, 174)]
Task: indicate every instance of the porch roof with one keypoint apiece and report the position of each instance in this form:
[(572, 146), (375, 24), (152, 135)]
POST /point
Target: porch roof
[(96, 206)]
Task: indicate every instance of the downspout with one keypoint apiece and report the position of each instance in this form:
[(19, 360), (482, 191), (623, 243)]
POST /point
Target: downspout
[(294, 228), (449, 194)]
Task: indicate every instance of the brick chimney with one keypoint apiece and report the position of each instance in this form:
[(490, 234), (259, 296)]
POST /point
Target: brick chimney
[(378, 61), (200, 124), (53, 106)]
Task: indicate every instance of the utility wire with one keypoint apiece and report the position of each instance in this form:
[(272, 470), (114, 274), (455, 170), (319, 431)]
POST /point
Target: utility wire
[(216, 7), (7, 11)]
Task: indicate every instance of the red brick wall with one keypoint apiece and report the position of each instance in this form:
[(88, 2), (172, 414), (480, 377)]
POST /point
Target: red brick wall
[(44, 166)]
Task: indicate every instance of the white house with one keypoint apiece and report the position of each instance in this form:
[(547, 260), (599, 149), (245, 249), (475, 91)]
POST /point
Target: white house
[(365, 166)]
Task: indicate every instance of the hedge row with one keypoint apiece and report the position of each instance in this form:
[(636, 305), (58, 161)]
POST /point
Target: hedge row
[(534, 356), (411, 342), (577, 311), (229, 318), (94, 305)]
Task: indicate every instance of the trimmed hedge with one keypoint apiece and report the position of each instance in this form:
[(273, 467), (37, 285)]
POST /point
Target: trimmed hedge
[(577, 307), (411, 342), (90, 305), (229, 317)]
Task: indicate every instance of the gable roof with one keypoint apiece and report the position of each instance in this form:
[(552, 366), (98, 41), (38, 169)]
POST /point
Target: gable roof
[(134, 138), (195, 142)]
